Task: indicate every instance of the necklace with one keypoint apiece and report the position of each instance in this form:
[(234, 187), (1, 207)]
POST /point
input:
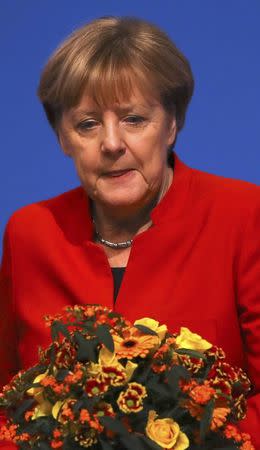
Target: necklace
[(128, 243), (115, 245)]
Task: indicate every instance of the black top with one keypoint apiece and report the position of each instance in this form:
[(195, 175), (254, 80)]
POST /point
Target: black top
[(118, 273)]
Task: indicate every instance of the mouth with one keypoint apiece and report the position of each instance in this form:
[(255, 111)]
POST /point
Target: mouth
[(117, 173)]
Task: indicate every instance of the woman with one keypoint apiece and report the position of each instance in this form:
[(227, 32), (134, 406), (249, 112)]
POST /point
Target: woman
[(182, 245)]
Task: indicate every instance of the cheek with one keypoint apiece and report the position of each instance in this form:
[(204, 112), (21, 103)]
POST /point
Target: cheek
[(86, 168)]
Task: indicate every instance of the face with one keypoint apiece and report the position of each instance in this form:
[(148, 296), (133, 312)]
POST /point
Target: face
[(120, 153)]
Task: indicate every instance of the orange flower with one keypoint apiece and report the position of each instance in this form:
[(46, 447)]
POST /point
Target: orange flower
[(134, 343), (247, 446), (8, 432), (84, 416), (94, 423), (28, 415), (219, 417), (56, 444), (49, 380), (186, 386), (202, 394), (194, 409), (232, 432), (62, 411), (67, 413), (74, 377), (89, 311), (159, 367), (56, 433), (23, 437)]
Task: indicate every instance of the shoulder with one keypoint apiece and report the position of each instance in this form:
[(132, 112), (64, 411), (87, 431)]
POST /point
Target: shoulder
[(228, 195), (37, 215)]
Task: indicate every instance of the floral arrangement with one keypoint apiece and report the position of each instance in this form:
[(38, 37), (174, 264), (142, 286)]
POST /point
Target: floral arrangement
[(104, 383)]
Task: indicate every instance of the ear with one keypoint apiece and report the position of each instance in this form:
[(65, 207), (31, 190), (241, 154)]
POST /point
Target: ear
[(172, 130)]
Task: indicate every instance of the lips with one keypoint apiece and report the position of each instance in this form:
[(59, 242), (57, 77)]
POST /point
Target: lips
[(117, 173)]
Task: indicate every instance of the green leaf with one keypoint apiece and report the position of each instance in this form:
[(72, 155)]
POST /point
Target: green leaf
[(173, 378), (105, 337), (87, 348), (105, 445), (145, 330), (42, 425), (132, 442), (57, 328), (149, 444), (62, 373), (206, 419), (41, 445), (233, 447), (230, 447), (178, 372), (159, 388), (19, 412), (191, 353), (114, 425), (70, 444)]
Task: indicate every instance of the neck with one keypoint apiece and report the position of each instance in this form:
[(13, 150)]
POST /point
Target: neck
[(119, 226)]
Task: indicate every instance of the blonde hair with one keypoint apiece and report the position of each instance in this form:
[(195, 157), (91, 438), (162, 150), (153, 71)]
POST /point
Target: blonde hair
[(110, 56)]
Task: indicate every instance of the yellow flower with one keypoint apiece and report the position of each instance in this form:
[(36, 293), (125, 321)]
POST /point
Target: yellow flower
[(130, 368), (43, 409), (94, 370), (108, 359), (166, 433), (62, 410), (161, 330), (131, 400), (191, 341), (56, 408), (37, 391)]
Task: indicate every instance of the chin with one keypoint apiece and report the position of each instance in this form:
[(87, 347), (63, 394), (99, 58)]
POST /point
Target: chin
[(122, 201)]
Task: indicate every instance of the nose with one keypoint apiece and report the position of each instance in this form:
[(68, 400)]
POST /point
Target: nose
[(112, 141)]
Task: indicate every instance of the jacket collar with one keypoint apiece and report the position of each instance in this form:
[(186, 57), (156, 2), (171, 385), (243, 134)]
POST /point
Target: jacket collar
[(79, 226)]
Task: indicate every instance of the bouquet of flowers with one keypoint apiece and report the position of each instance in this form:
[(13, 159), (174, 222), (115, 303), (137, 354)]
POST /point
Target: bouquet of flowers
[(106, 384)]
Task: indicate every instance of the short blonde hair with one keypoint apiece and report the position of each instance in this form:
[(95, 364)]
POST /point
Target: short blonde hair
[(110, 56)]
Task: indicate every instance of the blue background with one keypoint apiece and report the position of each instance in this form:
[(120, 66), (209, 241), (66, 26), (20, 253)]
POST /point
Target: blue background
[(220, 38)]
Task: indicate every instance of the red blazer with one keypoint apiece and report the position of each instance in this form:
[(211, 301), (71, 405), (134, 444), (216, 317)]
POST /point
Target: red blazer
[(197, 266)]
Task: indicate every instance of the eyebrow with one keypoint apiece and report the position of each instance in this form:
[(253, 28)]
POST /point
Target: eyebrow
[(123, 108)]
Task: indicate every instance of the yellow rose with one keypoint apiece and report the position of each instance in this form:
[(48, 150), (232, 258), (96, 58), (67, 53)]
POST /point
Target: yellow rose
[(166, 433), (191, 341), (161, 330)]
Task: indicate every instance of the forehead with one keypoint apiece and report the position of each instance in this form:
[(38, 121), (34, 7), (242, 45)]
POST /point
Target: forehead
[(135, 101)]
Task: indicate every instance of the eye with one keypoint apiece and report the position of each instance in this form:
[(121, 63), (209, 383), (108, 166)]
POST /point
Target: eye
[(135, 120), (86, 125)]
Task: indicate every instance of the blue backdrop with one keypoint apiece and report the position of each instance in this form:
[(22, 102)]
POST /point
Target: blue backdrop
[(222, 41)]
